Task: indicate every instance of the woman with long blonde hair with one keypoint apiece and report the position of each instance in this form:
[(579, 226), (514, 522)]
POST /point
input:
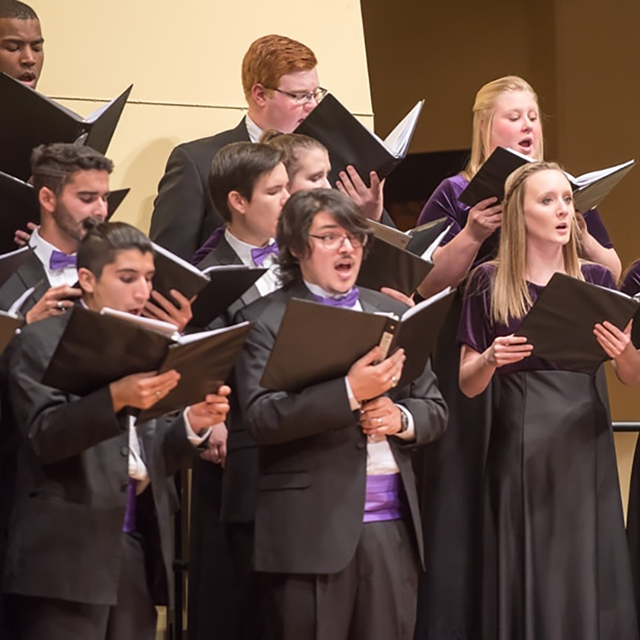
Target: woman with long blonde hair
[(555, 560), (506, 114)]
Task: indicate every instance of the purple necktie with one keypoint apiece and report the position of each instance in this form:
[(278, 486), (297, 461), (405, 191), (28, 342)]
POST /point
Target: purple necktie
[(349, 299), (259, 254), (61, 260)]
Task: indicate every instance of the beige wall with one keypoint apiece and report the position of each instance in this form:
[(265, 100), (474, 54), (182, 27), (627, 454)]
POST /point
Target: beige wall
[(184, 61)]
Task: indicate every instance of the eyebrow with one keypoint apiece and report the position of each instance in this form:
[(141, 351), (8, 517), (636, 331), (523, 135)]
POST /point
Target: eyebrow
[(18, 40)]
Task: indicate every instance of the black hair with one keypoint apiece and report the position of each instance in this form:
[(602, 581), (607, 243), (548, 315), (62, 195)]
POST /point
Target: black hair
[(297, 217), (238, 167), (53, 165), (17, 10), (103, 241)]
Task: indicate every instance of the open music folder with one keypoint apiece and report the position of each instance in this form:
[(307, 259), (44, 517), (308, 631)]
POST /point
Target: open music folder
[(390, 264), (349, 142), (589, 189), (29, 118), (560, 323), (99, 348), (216, 287), (318, 342)]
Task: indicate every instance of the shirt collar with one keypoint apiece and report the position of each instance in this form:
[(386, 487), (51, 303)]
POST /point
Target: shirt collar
[(44, 249), (243, 249), (254, 131)]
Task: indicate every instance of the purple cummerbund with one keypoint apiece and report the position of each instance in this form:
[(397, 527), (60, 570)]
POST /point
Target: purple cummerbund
[(129, 524), (384, 498)]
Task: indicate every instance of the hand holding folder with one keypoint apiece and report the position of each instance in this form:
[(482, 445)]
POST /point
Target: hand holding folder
[(216, 287), (560, 323), (317, 342), (349, 142), (97, 349)]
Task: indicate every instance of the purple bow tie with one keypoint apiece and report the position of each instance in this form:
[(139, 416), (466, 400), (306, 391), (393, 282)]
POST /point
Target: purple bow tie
[(61, 260), (259, 254), (349, 299)]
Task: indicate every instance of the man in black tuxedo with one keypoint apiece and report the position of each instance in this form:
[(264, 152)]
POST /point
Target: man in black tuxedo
[(72, 185), (248, 185), (280, 84), (90, 542), (281, 87), (337, 530), (21, 42)]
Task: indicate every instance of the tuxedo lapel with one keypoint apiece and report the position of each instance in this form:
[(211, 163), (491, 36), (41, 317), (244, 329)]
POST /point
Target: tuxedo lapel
[(31, 273)]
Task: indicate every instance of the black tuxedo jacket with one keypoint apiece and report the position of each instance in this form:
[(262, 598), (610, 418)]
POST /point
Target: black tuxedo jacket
[(241, 470), (72, 474), (224, 254), (29, 274), (183, 214), (311, 487)]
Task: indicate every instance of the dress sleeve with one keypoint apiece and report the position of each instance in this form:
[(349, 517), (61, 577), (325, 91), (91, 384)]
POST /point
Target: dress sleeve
[(474, 329), (597, 229), (631, 282), (444, 203)]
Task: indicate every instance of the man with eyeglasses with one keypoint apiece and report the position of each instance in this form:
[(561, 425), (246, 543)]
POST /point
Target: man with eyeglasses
[(281, 86), (337, 543)]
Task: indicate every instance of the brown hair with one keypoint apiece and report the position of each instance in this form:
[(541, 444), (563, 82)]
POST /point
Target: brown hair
[(292, 146)]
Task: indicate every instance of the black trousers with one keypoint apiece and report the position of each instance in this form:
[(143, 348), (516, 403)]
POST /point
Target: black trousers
[(372, 598), (133, 618)]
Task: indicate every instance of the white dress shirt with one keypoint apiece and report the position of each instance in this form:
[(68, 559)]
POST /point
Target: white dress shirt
[(269, 282), (254, 131), (380, 460), (43, 251)]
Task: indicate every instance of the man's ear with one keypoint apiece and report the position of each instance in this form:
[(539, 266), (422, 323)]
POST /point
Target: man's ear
[(87, 280), (47, 200), (259, 94), (237, 202)]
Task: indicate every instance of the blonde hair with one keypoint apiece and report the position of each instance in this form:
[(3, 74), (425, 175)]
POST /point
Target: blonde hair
[(510, 296), (483, 112)]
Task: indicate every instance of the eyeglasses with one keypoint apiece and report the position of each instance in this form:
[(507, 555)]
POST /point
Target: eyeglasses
[(304, 97), (332, 241)]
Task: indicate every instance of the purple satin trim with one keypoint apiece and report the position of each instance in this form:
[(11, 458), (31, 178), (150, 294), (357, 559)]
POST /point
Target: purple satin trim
[(59, 260), (349, 299), (129, 524), (384, 498), (210, 244)]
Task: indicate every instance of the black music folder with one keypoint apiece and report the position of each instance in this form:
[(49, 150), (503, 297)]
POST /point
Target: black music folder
[(416, 240), (490, 179), (227, 283), (99, 348), (318, 342), (560, 323), (388, 264), (590, 189), (28, 119), (216, 287), (350, 142)]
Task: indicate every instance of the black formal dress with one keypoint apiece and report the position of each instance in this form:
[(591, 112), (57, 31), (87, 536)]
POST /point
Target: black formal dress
[(555, 561)]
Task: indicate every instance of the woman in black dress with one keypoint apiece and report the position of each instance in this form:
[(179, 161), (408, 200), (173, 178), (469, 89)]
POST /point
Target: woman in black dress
[(555, 563)]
